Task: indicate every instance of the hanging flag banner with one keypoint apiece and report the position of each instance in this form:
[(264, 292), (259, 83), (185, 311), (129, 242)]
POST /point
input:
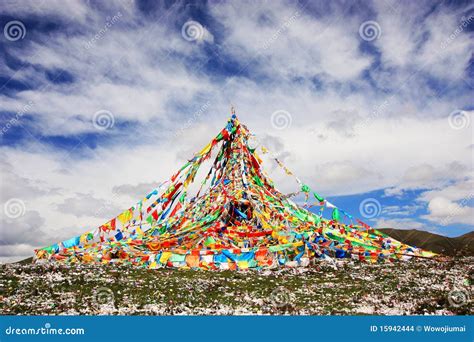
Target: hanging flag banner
[(237, 211)]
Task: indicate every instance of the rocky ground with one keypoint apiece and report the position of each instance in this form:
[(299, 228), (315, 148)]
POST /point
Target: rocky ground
[(342, 288)]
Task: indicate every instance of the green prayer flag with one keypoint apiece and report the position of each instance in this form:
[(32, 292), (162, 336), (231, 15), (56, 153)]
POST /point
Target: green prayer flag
[(335, 214), (319, 198), (258, 181), (209, 241)]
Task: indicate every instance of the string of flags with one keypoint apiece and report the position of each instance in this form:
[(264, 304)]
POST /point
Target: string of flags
[(237, 220), (336, 212)]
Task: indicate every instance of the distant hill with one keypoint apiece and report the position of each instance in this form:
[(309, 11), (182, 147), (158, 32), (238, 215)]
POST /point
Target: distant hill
[(461, 245), (26, 261)]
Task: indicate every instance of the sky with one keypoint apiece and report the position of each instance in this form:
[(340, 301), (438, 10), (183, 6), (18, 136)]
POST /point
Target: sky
[(368, 103)]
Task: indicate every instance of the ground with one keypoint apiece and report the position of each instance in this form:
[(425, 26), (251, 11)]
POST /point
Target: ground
[(342, 288)]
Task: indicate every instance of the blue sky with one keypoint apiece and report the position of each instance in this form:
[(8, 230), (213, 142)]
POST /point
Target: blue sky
[(364, 101)]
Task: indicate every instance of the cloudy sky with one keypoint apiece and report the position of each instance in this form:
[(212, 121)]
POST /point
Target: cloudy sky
[(364, 101)]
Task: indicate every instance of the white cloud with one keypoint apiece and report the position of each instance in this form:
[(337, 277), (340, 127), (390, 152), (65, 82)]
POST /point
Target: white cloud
[(397, 210), (28, 227), (414, 37), (426, 176), (54, 8), (291, 43), (88, 205), (12, 253), (402, 223), (451, 204), (446, 212), (134, 191)]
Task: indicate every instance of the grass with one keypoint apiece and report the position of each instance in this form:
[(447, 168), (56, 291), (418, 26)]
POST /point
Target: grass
[(412, 288)]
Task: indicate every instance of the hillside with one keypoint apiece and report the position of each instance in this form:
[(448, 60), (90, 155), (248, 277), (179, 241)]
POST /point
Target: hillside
[(461, 245)]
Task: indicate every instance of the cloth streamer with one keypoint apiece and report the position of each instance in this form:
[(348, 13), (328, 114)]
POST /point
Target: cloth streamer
[(237, 220)]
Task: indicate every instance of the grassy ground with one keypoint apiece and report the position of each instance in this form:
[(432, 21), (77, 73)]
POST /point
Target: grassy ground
[(416, 287)]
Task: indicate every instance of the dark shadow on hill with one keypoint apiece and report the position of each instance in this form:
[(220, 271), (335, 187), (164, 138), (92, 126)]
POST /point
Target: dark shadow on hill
[(458, 246)]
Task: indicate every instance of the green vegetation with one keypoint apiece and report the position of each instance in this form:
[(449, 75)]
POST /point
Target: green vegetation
[(416, 287)]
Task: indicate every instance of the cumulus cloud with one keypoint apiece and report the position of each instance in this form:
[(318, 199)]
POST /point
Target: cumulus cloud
[(344, 177), (402, 223), (426, 176), (446, 212), (135, 191), (451, 204), (88, 205), (28, 227)]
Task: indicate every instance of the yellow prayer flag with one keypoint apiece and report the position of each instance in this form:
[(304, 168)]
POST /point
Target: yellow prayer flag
[(243, 264), (206, 149), (165, 256), (125, 216)]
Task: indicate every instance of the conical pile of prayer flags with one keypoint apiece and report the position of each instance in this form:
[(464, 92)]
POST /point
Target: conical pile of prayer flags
[(237, 220)]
